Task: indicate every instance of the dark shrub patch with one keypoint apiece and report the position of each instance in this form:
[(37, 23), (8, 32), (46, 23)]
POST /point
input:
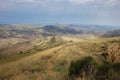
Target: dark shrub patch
[(116, 67), (88, 69), (104, 72), (81, 68)]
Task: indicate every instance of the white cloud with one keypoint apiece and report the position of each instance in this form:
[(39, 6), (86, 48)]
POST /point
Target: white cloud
[(82, 1), (97, 2), (113, 2), (58, 4), (27, 1), (5, 4), (102, 2)]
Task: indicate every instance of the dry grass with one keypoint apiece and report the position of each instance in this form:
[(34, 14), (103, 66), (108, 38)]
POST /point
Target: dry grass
[(31, 64), (51, 64), (41, 63), (79, 37)]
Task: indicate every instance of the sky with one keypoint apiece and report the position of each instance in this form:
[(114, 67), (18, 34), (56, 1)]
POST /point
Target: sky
[(101, 12)]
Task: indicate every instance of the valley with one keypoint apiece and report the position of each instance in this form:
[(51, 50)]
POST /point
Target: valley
[(50, 52)]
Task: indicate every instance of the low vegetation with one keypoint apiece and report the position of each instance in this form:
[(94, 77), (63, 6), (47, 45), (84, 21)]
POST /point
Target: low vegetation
[(88, 69)]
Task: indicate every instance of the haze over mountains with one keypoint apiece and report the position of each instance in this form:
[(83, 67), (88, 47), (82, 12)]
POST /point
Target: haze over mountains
[(7, 30), (25, 36)]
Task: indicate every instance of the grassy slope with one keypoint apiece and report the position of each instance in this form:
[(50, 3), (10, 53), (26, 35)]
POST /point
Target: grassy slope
[(50, 64), (25, 49), (51, 61)]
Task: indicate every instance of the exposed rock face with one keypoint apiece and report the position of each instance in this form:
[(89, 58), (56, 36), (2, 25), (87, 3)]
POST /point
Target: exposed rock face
[(114, 52), (111, 52)]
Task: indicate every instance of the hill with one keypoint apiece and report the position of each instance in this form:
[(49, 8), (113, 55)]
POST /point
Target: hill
[(61, 30), (113, 33), (53, 63), (57, 52)]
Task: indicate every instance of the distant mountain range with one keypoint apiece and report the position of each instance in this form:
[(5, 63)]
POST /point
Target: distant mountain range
[(97, 28), (28, 30), (113, 33), (61, 30)]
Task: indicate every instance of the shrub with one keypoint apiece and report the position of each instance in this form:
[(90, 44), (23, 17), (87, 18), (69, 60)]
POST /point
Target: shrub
[(105, 68), (108, 71), (116, 67), (88, 69), (84, 67)]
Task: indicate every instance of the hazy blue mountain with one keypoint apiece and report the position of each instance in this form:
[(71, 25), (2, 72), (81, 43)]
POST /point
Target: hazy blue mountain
[(62, 30), (98, 28), (113, 33)]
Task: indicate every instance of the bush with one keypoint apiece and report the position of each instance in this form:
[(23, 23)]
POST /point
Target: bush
[(116, 67), (104, 72), (84, 67), (88, 69)]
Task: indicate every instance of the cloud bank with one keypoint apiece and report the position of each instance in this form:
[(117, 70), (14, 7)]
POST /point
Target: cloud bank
[(8, 3), (66, 11)]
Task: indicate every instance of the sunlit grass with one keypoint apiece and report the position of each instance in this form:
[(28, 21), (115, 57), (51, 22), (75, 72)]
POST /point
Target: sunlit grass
[(52, 63)]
